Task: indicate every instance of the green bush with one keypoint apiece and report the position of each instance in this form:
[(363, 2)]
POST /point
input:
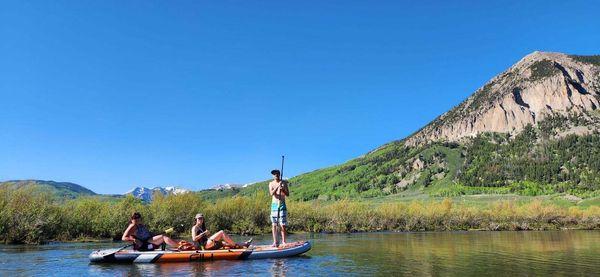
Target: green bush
[(28, 216)]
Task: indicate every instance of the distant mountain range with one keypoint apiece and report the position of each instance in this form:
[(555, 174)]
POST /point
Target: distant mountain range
[(147, 194), (230, 186), (68, 190), (226, 186)]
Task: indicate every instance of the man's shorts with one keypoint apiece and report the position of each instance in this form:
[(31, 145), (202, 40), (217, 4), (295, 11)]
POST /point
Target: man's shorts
[(282, 219)]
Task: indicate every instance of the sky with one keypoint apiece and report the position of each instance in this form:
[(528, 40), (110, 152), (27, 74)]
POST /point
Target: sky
[(116, 94)]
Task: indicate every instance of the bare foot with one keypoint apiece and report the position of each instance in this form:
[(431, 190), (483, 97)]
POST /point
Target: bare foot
[(274, 244), (247, 243)]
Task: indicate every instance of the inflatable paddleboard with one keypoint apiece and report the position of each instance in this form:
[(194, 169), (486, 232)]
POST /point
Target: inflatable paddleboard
[(169, 256)]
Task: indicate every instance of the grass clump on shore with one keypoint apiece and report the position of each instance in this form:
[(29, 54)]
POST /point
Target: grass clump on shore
[(28, 216), (346, 216)]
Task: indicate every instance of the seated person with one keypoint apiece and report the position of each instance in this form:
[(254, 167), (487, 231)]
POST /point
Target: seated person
[(141, 237), (217, 241)]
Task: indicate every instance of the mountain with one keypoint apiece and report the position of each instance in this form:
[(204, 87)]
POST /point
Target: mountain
[(229, 190), (147, 194), (531, 130), (539, 86), (66, 190), (58, 189), (227, 186)]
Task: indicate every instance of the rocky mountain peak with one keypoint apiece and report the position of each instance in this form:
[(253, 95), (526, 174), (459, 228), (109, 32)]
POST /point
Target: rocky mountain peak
[(147, 194), (226, 186), (541, 84)]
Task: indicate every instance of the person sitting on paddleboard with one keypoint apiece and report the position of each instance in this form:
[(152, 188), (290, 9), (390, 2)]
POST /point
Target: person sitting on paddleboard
[(200, 235), (143, 240), (278, 189)]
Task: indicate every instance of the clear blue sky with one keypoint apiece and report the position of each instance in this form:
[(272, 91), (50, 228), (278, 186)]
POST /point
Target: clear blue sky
[(116, 94)]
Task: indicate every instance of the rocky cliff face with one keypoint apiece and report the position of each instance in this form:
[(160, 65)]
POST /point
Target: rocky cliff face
[(542, 84)]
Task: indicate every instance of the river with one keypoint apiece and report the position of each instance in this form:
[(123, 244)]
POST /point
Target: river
[(542, 253)]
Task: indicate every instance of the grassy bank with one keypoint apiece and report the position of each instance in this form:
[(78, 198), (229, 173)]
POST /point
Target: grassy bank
[(29, 216)]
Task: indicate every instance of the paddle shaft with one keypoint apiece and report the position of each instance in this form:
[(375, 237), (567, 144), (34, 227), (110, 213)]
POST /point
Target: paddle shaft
[(280, 187), (119, 249), (282, 160)]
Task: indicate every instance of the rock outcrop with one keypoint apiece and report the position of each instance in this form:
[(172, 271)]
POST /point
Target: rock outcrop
[(542, 84)]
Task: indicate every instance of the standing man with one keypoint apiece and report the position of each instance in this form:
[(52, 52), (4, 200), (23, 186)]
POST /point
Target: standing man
[(278, 189)]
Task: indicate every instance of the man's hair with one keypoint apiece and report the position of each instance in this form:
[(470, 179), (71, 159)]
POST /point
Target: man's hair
[(276, 172)]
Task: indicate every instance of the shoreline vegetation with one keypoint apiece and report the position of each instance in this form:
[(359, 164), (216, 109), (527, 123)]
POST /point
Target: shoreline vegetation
[(30, 216)]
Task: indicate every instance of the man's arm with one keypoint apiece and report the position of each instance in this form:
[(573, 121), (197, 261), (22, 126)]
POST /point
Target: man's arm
[(272, 189)]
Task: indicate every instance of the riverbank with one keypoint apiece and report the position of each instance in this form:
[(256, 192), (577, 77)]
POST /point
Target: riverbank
[(32, 217)]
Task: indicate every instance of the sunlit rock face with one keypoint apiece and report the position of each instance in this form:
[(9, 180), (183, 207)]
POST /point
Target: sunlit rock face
[(542, 84)]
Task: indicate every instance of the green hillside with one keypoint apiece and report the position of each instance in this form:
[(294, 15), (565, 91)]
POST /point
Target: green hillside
[(541, 160), (57, 189)]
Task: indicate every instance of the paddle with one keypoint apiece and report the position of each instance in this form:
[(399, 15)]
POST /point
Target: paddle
[(280, 187), (281, 177), (104, 255), (280, 183)]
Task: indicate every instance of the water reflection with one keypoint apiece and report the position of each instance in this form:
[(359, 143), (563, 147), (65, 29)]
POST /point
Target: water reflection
[(471, 253), (397, 254), (278, 268), (167, 269)]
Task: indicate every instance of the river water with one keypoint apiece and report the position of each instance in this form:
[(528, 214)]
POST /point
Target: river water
[(413, 254)]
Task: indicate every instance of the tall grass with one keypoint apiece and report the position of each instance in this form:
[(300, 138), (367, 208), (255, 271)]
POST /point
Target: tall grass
[(28, 216), (347, 216)]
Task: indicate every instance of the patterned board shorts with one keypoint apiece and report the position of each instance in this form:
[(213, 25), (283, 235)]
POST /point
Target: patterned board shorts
[(282, 219)]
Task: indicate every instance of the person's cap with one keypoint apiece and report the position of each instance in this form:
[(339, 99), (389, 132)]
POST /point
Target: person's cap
[(275, 172), (199, 216)]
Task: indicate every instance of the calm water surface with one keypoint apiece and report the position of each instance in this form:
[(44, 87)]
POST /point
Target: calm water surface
[(415, 254)]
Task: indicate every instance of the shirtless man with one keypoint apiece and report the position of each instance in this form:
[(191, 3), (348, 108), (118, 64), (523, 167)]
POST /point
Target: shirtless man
[(278, 189)]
